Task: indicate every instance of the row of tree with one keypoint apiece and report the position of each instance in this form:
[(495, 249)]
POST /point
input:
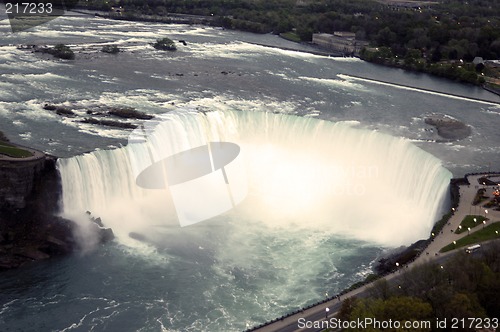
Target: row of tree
[(452, 29), (460, 71), (464, 287)]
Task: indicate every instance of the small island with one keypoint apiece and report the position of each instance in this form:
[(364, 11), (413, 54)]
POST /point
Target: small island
[(165, 44), (111, 49), (448, 127), (59, 51)]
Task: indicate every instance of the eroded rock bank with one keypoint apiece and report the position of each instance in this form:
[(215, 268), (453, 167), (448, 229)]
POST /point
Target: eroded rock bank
[(448, 127), (110, 116), (30, 229)]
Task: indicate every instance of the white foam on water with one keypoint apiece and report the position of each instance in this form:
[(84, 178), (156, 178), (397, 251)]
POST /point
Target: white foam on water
[(26, 136), (214, 50), (442, 94), (345, 59), (340, 83), (97, 130), (283, 75), (241, 50), (351, 122), (4, 111), (492, 110), (8, 54), (45, 77)]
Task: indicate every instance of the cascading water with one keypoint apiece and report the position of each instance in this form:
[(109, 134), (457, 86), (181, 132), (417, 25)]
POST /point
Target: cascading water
[(323, 201), (301, 172)]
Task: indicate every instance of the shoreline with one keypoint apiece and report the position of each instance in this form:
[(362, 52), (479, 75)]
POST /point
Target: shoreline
[(203, 21), (318, 52), (424, 89), (315, 312)]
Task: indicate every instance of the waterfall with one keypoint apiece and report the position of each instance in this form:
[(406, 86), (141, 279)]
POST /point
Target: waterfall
[(301, 172)]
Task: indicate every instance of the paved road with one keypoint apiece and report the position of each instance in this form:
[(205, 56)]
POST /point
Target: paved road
[(467, 194)]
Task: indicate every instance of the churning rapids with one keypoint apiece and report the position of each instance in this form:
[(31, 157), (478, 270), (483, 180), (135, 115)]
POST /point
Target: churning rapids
[(333, 180)]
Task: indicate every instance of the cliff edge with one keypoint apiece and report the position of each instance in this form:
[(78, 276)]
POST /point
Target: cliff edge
[(30, 229)]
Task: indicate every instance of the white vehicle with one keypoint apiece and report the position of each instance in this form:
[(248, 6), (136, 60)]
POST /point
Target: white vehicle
[(473, 248)]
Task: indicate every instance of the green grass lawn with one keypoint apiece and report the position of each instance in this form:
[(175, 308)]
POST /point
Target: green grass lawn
[(469, 222), (14, 152), (292, 36), (490, 232)]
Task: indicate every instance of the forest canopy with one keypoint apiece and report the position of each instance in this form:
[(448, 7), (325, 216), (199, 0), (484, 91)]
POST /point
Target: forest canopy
[(447, 29)]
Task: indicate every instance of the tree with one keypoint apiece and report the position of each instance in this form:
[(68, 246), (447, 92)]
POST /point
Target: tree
[(436, 54), (347, 308), (465, 306), (305, 33), (386, 37), (380, 289), (411, 57), (396, 308), (495, 47)]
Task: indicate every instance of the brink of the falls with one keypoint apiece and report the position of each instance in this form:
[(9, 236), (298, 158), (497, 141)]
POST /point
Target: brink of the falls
[(300, 172)]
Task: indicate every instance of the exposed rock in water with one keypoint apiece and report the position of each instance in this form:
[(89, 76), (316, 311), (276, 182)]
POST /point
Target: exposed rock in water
[(29, 201), (105, 234), (129, 113), (60, 51), (102, 111), (449, 128), (401, 256), (59, 110), (98, 221), (109, 123)]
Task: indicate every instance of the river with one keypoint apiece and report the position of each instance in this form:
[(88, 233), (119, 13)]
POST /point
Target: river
[(237, 271)]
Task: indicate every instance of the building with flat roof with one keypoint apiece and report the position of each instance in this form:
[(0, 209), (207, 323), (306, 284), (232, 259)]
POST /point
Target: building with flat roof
[(340, 41)]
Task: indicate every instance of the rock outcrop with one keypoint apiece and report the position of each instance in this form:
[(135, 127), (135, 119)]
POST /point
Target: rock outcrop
[(30, 229), (18, 178), (448, 128)]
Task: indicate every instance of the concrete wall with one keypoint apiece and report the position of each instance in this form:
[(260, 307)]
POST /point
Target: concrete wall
[(343, 42)]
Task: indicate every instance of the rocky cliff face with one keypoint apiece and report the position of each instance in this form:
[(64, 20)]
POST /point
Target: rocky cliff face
[(17, 181), (29, 195), (30, 230)]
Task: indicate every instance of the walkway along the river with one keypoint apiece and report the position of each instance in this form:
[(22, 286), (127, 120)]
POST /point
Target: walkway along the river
[(446, 236)]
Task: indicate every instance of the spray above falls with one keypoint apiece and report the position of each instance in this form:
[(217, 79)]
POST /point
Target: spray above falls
[(295, 172)]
